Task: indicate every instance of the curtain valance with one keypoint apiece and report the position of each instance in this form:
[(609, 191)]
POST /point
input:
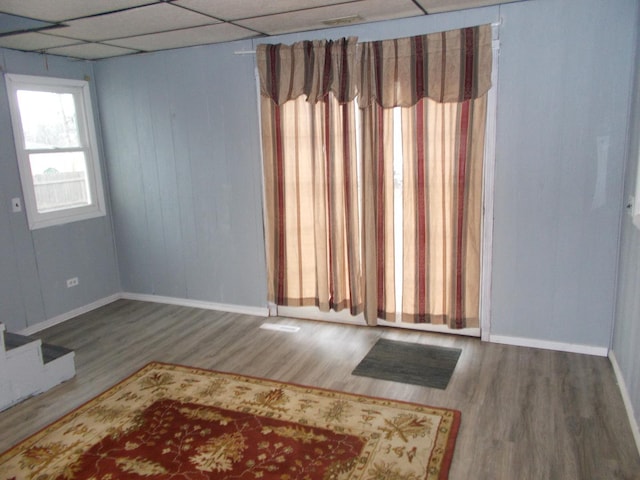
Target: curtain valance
[(450, 66), (310, 68)]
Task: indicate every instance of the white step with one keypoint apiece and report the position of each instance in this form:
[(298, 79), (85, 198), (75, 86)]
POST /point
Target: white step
[(29, 367)]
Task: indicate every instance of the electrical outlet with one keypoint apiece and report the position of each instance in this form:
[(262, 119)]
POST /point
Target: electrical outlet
[(72, 282)]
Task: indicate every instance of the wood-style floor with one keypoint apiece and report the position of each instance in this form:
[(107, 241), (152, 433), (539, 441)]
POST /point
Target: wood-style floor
[(526, 413)]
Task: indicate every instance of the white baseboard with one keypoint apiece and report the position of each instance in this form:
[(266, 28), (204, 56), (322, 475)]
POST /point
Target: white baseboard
[(186, 302), (183, 302), (635, 429), (69, 315), (547, 345)]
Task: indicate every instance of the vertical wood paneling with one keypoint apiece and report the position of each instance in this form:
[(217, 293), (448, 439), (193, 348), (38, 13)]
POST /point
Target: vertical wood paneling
[(555, 247), (190, 116), (20, 297), (151, 188), (564, 86), (35, 264), (87, 256), (626, 337), (125, 180), (173, 282), (185, 99), (12, 307)]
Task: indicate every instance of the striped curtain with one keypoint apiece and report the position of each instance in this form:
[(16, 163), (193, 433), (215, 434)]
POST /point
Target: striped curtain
[(310, 168), (440, 82), (319, 252), (442, 203), (378, 213)]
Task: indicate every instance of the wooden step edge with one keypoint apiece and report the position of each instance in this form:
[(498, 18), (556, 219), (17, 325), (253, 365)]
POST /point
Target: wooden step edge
[(49, 352), (15, 340), (53, 352)]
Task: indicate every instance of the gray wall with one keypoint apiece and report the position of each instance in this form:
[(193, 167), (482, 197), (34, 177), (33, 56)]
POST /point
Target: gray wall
[(182, 138), (182, 148), (34, 265), (182, 141), (565, 81), (626, 337)]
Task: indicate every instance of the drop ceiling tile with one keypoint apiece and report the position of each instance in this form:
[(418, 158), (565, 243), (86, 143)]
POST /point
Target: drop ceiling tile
[(221, 32), (57, 10), (34, 41), (235, 10), (439, 6), (90, 51), (138, 21), (16, 24), (317, 18)]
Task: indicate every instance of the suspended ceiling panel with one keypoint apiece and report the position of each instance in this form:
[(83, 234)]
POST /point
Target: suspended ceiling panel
[(90, 51), (149, 19), (323, 17), (440, 6), (34, 41), (96, 29), (13, 24), (237, 10), (220, 32), (60, 10)]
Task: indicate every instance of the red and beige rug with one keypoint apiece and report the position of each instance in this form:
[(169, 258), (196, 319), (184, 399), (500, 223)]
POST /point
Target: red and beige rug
[(174, 422)]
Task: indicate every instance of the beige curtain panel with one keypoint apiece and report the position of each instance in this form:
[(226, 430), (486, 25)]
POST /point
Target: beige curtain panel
[(330, 219), (310, 166), (442, 200)]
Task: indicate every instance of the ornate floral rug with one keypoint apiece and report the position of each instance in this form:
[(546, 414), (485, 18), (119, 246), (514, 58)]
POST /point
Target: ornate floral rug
[(174, 422)]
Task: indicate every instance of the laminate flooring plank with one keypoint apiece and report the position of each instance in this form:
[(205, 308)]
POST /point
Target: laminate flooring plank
[(526, 413)]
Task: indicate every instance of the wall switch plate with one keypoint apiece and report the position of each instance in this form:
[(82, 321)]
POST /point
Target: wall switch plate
[(16, 205), (72, 282)]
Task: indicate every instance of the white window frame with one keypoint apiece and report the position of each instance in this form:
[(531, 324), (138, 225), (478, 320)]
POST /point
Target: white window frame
[(89, 146)]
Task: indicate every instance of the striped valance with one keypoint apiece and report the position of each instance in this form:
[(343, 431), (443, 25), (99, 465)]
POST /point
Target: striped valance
[(449, 66), (310, 68)]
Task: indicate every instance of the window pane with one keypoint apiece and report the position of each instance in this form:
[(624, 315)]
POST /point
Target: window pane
[(60, 180), (48, 120)]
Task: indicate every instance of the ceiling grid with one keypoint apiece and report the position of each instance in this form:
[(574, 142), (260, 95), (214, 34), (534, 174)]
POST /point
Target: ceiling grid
[(96, 29)]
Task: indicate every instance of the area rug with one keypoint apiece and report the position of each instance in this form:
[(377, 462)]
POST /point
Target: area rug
[(414, 363), (174, 422)]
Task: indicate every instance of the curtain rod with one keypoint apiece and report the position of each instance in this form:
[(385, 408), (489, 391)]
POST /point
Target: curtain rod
[(253, 52)]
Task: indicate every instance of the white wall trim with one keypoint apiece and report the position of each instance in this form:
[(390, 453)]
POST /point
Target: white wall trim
[(624, 391), (264, 312), (69, 315), (488, 191), (185, 302), (548, 345)]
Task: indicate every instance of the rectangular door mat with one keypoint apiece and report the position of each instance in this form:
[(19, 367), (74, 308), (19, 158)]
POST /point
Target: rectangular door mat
[(414, 363)]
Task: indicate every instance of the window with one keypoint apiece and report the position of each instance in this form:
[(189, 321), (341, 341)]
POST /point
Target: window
[(56, 148)]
